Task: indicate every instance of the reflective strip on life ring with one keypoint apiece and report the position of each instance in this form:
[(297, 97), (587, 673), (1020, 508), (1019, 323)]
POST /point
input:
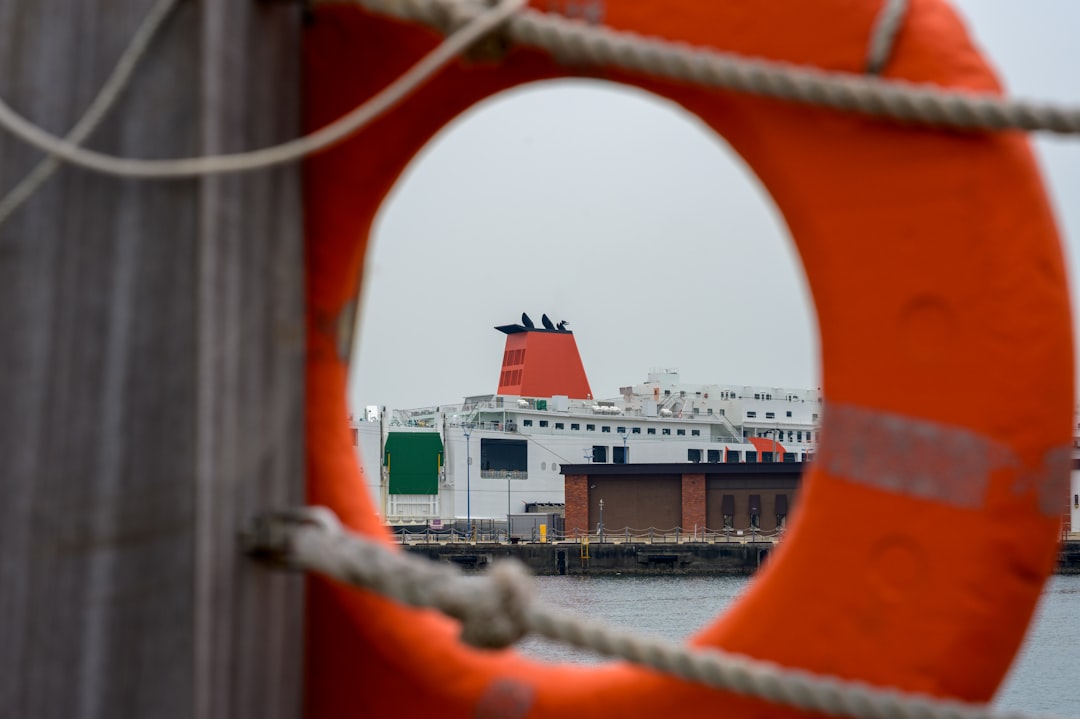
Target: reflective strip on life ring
[(928, 521)]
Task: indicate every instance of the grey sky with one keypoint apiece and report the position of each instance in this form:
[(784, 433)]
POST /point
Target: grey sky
[(665, 253)]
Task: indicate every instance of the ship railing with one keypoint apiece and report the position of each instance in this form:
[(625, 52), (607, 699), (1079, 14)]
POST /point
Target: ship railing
[(503, 474)]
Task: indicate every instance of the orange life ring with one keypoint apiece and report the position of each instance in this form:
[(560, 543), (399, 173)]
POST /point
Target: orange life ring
[(929, 519)]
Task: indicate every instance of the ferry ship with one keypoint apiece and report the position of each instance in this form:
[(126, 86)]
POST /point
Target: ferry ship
[(497, 455)]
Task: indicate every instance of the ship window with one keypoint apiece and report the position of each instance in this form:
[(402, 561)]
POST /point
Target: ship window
[(543, 423), (667, 430), (713, 455), (751, 457), (575, 426), (733, 456), (651, 430), (355, 437), (789, 457), (503, 457), (790, 436), (635, 430), (751, 413), (789, 413), (681, 432), (721, 413), (693, 455), (527, 422), (757, 395), (667, 393), (768, 396), (560, 425), (619, 455), (709, 411), (621, 430), (697, 411), (590, 428), (770, 415), (695, 432), (799, 435), (606, 428), (599, 453), (814, 418)]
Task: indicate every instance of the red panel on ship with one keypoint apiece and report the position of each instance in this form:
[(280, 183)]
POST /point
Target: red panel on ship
[(542, 363)]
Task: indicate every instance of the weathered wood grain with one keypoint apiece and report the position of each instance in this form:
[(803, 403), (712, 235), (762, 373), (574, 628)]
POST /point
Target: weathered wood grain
[(151, 339)]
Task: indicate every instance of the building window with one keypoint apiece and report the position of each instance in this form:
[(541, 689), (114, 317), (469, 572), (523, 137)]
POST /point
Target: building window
[(789, 413), (770, 415), (695, 432), (781, 505), (599, 453), (635, 430), (667, 430), (751, 414), (714, 456), (693, 455), (527, 422), (543, 423), (606, 428), (681, 432), (727, 509), (619, 455), (651, 430), (560, 425), (755, 511), (575, 426), (590, 428)]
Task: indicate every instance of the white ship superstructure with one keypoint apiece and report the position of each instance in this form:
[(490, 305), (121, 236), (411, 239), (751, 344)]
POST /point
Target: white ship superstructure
[(499, 454)]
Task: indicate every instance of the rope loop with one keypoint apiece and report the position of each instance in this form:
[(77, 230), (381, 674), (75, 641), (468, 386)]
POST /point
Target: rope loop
[(883, 35), (493, 610)]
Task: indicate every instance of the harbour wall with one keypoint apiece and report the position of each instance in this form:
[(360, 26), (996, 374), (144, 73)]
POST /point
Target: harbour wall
[(626, 558), (572, 558)]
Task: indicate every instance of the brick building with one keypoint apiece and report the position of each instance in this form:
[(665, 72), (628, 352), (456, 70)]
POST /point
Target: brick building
[(691, 497)]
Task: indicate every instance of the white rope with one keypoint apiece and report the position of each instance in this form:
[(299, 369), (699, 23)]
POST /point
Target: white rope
[(478, 25), (106, 98), (497, 609), (575, 42), (883, 35)]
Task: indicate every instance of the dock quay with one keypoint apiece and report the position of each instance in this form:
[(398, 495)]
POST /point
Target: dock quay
[(618, 557)]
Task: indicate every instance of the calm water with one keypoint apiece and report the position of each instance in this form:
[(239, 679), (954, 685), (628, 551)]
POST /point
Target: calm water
[(1044, 678)]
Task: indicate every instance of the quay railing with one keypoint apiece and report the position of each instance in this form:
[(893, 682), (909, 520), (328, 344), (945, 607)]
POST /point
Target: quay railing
[(493, 532)]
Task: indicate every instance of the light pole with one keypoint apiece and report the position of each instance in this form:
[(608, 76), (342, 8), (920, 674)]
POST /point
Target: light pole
[(601, 521), (468, 480)]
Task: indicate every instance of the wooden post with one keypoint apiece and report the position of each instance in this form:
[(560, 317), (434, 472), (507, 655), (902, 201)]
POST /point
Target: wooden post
[(151, 387)]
